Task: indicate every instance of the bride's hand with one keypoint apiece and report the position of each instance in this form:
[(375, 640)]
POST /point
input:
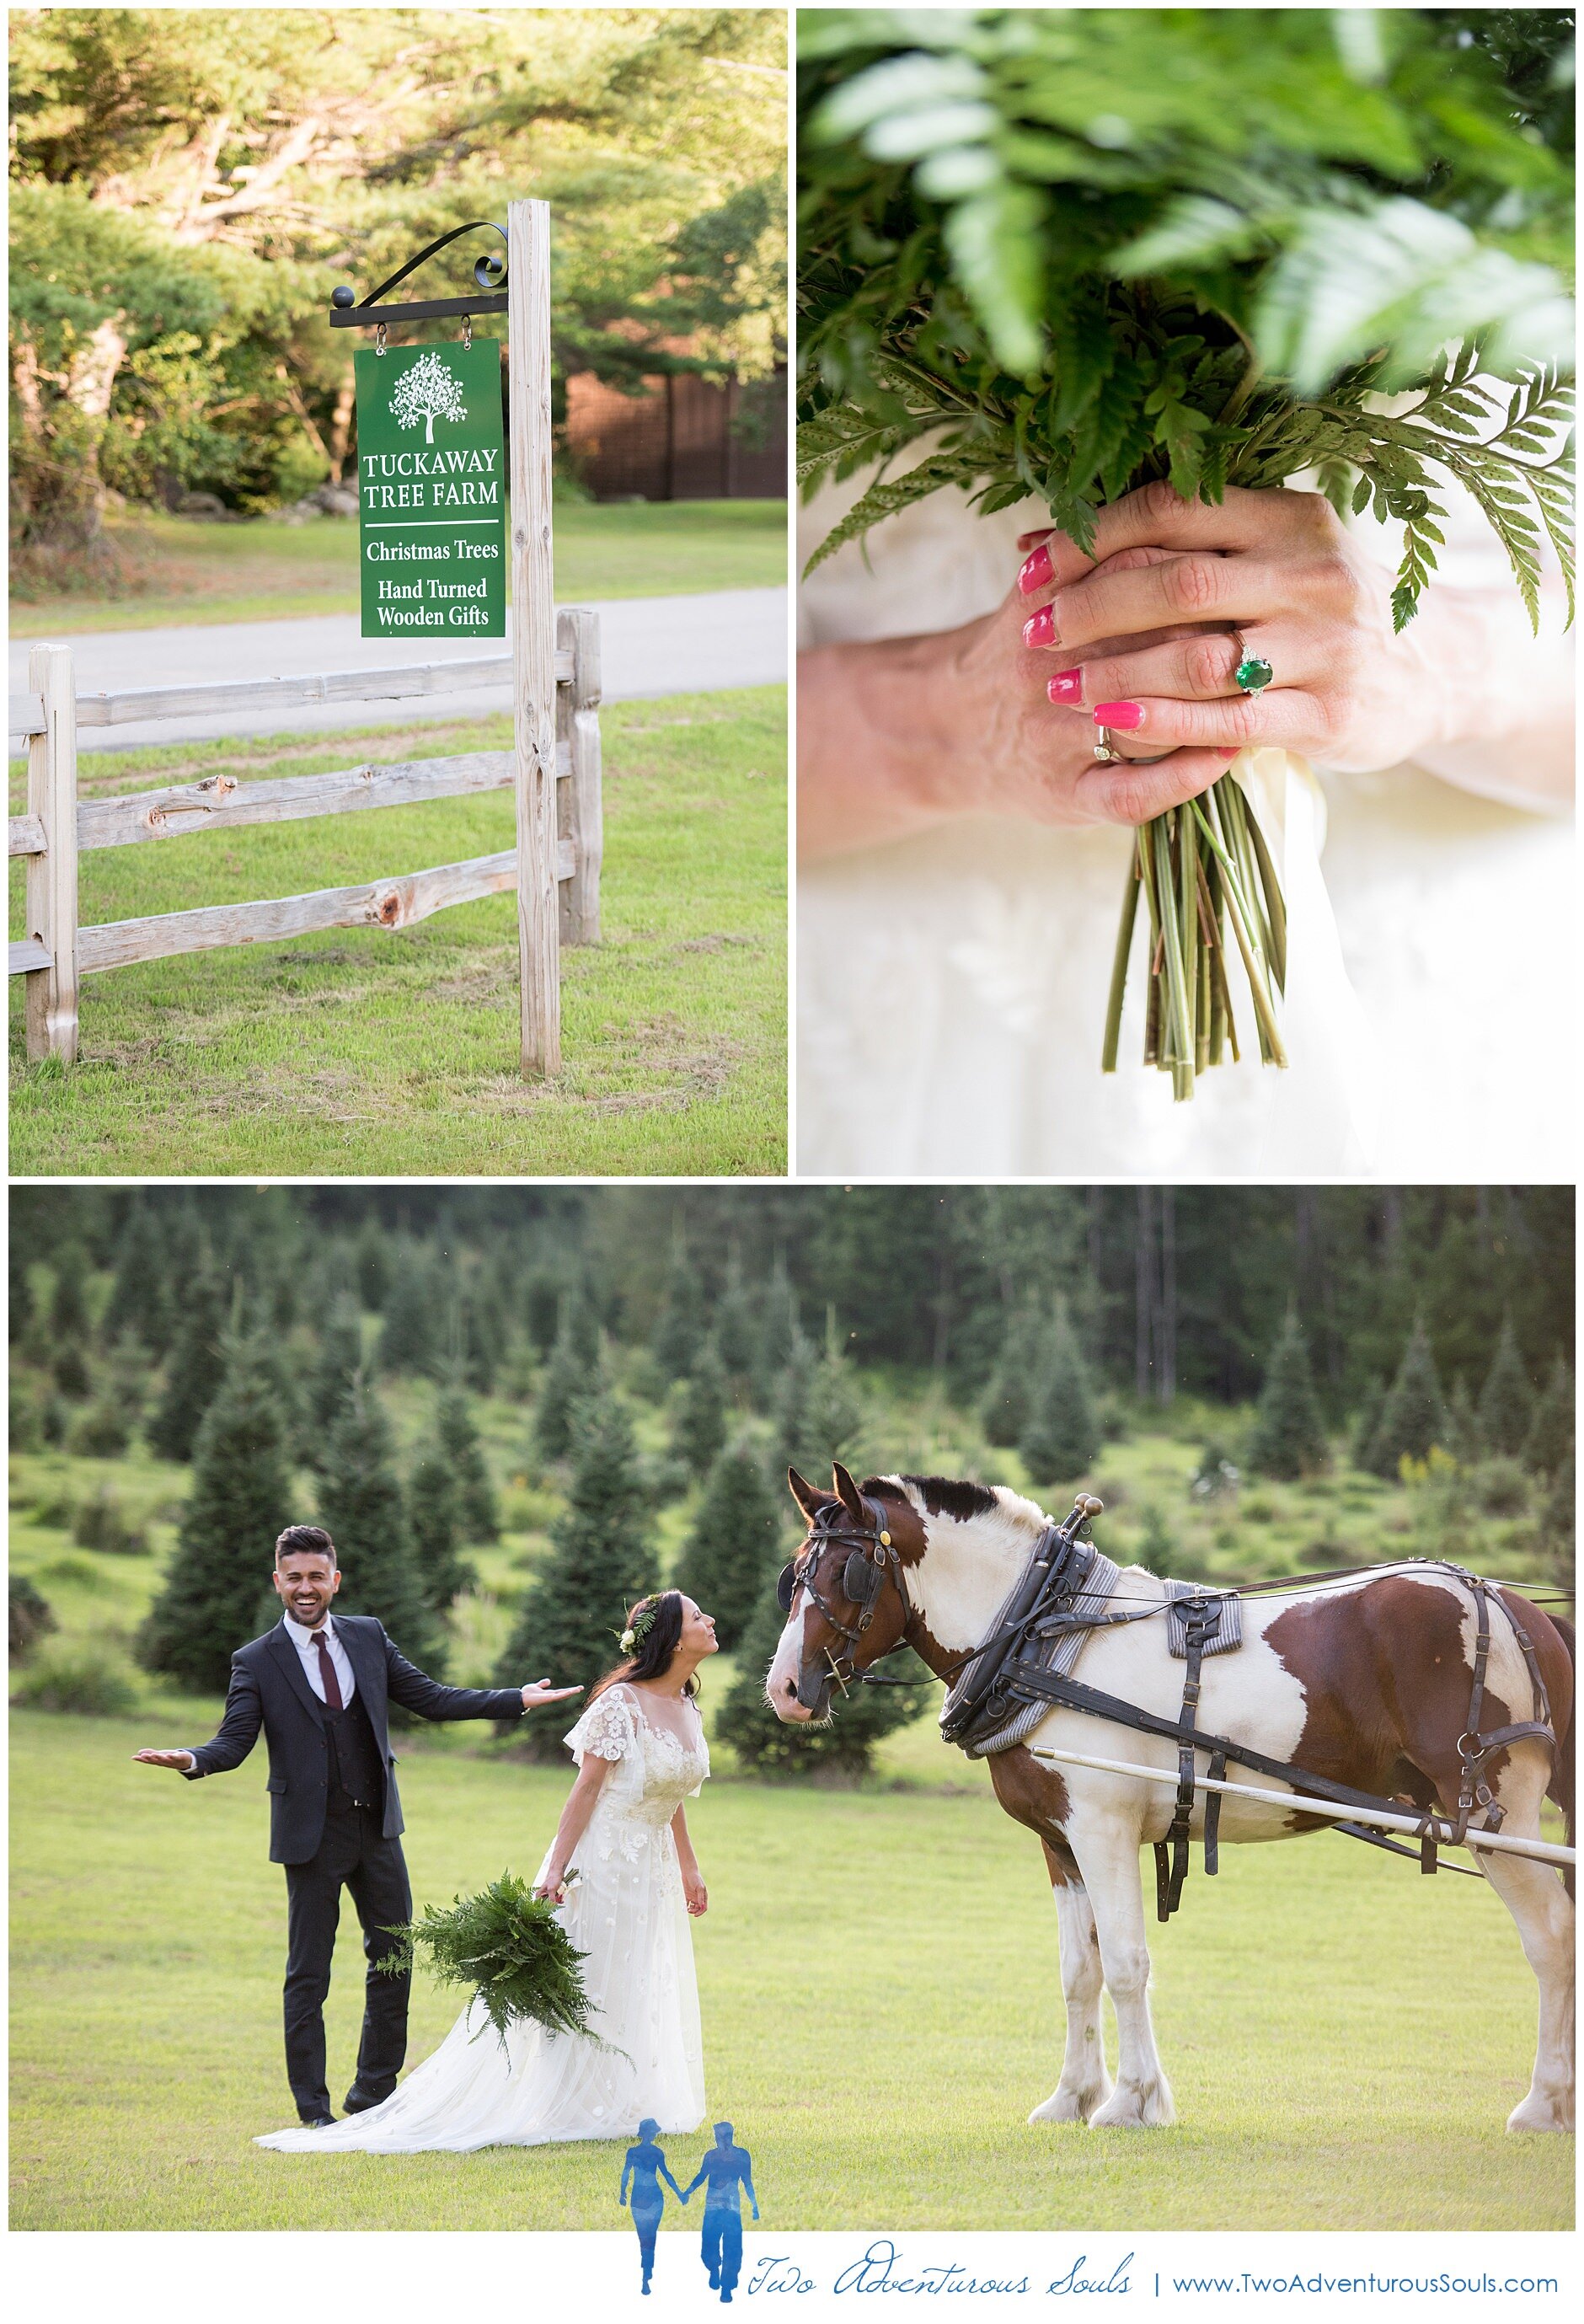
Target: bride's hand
[(694, 1891), (554, 1887), (1271, 575)]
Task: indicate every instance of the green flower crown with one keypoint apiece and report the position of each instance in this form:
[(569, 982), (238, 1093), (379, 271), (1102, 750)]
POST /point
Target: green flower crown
[(639, 1625)]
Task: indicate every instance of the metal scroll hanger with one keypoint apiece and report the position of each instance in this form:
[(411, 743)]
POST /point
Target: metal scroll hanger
[(347, 313)]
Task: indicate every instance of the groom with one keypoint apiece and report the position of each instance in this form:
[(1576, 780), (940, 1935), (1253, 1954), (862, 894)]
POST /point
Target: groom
[(320, 1687)]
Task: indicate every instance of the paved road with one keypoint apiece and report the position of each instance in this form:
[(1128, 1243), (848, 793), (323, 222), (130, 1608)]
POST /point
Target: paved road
[(648, 646)]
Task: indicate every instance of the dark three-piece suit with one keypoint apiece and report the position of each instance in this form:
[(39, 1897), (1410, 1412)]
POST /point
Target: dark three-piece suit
[(334, 1822)]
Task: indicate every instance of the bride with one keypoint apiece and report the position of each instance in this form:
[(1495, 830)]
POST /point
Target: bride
[(623, 1871)]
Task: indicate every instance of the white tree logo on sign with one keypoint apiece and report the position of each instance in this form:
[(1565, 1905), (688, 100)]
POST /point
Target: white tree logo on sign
[(429, 391)]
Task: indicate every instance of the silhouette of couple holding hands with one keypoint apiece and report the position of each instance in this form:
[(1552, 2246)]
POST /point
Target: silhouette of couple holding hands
[(725, 2168)]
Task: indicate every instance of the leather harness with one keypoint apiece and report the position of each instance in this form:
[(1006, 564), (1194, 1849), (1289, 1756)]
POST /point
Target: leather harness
[(1006, 1669)]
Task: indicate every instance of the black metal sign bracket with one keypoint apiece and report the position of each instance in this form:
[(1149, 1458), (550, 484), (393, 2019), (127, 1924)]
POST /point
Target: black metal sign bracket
[(346, 314)]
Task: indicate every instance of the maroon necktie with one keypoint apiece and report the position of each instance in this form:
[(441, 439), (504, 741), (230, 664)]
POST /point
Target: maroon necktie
[(327, 1678)]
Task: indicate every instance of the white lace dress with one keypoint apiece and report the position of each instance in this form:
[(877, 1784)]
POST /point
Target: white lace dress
[(627, 1913)]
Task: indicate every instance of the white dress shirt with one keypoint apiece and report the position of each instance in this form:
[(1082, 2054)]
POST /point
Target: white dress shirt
[(303, 1640)]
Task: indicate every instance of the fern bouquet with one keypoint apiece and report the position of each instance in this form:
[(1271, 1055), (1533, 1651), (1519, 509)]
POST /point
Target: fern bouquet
[(1075, 250), (507, 1946)]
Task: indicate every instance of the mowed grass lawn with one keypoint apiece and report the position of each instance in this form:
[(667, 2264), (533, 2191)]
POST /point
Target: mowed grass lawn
[(189, 570), (881, 2007), (367, 1052)]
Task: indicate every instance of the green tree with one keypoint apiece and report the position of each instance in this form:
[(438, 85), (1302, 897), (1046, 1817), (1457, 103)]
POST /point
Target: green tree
[(736, 1335), (1551, 1435), (69, 1304), (412, 1338), (1289, 1437), (790, 1402), (1007, 1407), (478, 1511), (1507, 1401), (1414, 1417), (837, 1408), (140, 1297), (1063, 1432), (21, 1301), (333, 1378), (575, 1372), (700, 1428), (679, 1331), (1559, 1520), (602, 1559), (1465, 1440), (194, 1368), (361, 1508), (239, 1501), (780, 1333), (734, 1542), (845, 1743), (370, 1264), (434, 1509)]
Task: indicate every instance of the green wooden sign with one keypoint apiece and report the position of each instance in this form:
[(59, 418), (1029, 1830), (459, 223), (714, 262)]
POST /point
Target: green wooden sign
[(431, 488)]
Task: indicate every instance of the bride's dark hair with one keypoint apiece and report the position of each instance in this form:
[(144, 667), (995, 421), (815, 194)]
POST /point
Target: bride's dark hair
[(652, 1654)]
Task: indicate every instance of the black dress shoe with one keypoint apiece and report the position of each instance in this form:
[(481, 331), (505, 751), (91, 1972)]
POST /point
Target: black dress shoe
[(358, 2102), (318, 2121)]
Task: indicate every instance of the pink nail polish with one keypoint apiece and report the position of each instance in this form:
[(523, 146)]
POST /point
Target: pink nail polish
[(1040, 629), (1067, 686), (1125, 714), (1037, 571)]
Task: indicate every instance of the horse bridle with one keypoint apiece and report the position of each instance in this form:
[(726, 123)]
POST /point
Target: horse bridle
[(871, 1551)]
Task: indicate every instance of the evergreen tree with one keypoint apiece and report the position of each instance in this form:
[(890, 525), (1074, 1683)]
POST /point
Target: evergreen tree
[(333, 1378), (434, 1505), (700, 1428), (1559, 1520), (238, 1503), (68, 1303), (1063, 1432), (362, 1510), (734, 1543), (1007, 1407), (836, 1407), (1414, 1417), (575, 1372), (736, 1334), (23, 1304), (68, 1368), (1507, 1401), (845, 1743), (1464, 1440), (1551, 1435), (1289, 1436), (411, 1339), (679, 1332), (1159, 1551), (370, 1262), (541, 1304), (140, 1295), (193, 1368), (789, 1405), (780, 1336), (478, 1512), (1366, 1426), (602, 1559)]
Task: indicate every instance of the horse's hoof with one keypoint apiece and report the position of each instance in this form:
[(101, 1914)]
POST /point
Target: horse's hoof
[(1538, 2114), (1071, 2105), (1150, 2108)]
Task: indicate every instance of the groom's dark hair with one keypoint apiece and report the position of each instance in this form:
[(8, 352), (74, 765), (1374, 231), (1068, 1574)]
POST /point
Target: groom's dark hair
[(305, 1541)]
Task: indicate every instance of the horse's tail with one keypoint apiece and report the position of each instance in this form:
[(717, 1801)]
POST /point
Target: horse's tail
[(1560, 1786)]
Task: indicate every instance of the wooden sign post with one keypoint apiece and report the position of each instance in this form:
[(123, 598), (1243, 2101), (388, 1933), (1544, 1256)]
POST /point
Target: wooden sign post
[(533, 633)]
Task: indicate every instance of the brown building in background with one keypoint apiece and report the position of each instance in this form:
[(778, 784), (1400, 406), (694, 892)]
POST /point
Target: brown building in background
[(687, 439)]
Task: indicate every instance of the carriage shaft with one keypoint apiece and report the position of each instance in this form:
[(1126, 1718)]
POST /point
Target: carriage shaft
[(1542, 1851)]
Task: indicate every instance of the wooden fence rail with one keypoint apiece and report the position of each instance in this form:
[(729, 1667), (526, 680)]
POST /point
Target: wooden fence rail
[(59, 825)]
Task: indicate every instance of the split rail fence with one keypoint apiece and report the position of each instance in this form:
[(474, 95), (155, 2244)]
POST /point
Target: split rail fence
[(59, 826)]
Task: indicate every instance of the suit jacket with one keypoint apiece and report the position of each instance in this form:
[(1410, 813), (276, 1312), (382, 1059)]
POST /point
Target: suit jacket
[(270, 1689)]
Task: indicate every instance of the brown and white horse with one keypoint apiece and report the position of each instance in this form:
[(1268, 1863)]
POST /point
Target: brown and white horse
[(1363, 1680)]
